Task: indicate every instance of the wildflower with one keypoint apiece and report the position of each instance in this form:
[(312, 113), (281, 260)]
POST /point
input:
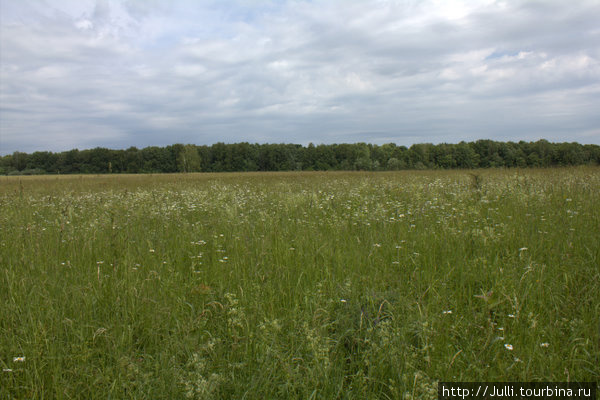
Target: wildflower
[(522, 249), (545, 344), (343, 300), (19, 359), (377, 245), (447, 312), (511, 315), (7, 370), (151, 250), (508, 347)]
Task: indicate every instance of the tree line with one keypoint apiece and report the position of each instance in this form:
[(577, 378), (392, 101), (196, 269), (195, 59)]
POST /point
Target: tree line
[(222, 157)]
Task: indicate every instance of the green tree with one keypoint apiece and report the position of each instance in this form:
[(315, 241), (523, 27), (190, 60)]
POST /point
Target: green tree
[(393, 164), (19, 160), (96, 160), (189, 159), (43, 160), (363, 159), (133, 160), (419, 155), (69, 162), (465, 156)]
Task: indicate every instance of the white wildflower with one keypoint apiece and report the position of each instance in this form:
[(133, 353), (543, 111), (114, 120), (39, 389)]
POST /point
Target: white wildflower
[(508, 347)]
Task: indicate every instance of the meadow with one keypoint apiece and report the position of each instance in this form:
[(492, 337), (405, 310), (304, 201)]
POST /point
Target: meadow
[(323, 285)]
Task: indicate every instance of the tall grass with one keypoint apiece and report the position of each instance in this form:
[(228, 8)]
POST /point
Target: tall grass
[(297, 285)]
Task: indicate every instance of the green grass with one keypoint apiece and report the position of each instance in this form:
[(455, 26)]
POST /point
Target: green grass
[(297, 285)]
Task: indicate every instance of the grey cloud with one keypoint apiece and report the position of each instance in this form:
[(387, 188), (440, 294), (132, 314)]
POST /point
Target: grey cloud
[(152, 73)]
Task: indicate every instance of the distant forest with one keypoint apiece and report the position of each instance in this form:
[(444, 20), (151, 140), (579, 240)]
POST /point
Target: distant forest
[(221, 157)]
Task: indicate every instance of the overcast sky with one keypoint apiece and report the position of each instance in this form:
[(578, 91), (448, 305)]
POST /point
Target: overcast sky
[(120, 73)]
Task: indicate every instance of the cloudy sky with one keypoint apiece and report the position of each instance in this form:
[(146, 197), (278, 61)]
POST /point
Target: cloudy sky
[(120, 73)]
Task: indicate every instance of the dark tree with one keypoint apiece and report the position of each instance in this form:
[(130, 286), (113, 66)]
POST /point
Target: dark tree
[(286, 157)]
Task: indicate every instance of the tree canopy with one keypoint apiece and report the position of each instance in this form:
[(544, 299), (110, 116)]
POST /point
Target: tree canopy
[(222, 157)]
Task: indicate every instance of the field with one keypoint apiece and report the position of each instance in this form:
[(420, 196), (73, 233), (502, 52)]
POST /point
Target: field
[(297, 285)]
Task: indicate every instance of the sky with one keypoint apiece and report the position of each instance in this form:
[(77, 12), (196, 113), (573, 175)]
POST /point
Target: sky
[(120, 73)]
